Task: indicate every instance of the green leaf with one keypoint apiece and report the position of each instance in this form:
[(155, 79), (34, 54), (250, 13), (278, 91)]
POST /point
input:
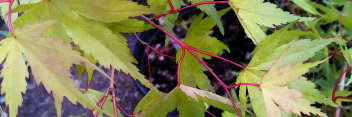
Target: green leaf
[(188, 101), (273, 41), (50, 61), (91, 36), (25, 5), (263, 51), (192, 72), (210, 98), (278, 97), (176, 99), (298, 51), (151, 98), (309, 91), (329, 13), (14, 72), (255, 95), (202, 26), (108, 10), (129, 26), (210, 10), (304, 4), (254, 13)]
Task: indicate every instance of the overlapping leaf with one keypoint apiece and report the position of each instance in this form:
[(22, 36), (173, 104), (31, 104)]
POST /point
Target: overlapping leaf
[(50, 61), (278, 97), (210, 10), (269, 49), (91, 36), (186, 100), (192, 72), (255, 13), (304, 4), (14, 72)]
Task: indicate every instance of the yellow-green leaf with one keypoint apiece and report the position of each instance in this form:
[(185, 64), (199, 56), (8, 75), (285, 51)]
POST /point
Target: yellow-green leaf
[(91, 36), (278, 97), (50, 61), (255, 13), (14, 72)]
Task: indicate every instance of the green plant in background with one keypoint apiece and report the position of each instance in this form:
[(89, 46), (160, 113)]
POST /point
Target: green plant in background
[(282, 79)]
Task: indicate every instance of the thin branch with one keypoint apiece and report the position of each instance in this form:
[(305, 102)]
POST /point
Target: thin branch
[(171, 5), (149, 68), (179, 67), (341, 87), (101, 102), (218, 79), (153, 49), (112, 90), (216, 56), (211, 114), (9, 17), (337, 83)]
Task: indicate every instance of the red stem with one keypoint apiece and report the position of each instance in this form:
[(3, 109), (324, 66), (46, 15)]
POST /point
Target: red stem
[(217, 78), (149, 69), (189, 49), (179, 67), (216, 56), (165, 47), (101, 102), (112, 90), (10, 18), (114, 103), (171, 5), (337, 83), (2, 1), (153, 49), (240, 84), (87, 85), (190, 6), (342, 97), (211, 114)]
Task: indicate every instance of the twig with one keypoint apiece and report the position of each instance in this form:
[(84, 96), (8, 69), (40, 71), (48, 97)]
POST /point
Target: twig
[(179, 67)]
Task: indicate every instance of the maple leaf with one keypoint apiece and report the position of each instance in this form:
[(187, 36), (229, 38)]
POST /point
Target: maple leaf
[(309, 91), (267, 52), (14, 72), (210, 10), (91, 36), (304, 4), (300, 50), (129, 26), (192, 72), (255, 13), (50, 61), (188, 101), (107, 10), (278, 97)]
